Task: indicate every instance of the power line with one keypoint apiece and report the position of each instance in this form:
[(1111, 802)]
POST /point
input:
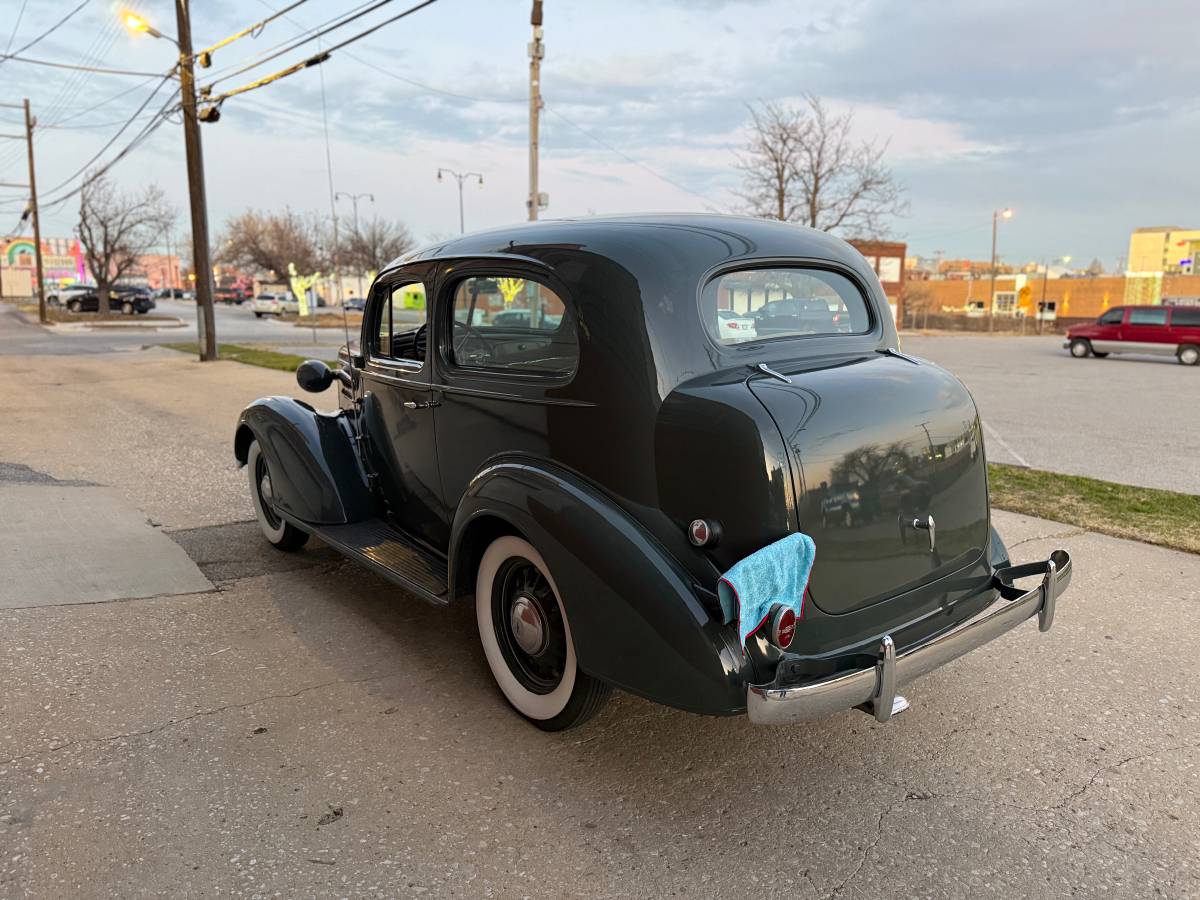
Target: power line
[(45, 34), (120, 131), (254, 30), (17, 26), (320, 30), (320, 57), (95, 70)]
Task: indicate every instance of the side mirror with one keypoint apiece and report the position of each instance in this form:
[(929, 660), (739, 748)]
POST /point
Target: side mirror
[(314, 376)]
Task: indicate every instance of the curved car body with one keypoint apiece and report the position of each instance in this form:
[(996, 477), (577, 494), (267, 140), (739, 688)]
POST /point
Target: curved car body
[(121, 298), (569, 386)]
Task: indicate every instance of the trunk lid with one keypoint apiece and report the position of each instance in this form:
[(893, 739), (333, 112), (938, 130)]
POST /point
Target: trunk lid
[(876, 442)]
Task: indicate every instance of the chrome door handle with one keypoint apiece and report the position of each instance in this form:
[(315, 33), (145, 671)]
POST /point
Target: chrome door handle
[(425, 404), (927, 524)]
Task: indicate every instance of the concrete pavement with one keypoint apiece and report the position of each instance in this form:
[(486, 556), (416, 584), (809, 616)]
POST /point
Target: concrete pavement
[(305, 729)]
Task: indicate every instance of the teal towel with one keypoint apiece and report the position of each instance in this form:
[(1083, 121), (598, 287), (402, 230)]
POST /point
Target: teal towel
[(778, 573)]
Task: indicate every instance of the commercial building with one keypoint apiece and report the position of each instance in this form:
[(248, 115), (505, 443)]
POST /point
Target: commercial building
[(1166, 249), (887, 259)]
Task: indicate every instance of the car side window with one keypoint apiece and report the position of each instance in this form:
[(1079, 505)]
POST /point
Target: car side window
[(1112, 317), (402, 312), (1186, 318), (1148, 316), (503, 323)]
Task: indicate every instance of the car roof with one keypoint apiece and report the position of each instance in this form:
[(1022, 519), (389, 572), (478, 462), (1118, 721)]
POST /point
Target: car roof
[(750, 235)]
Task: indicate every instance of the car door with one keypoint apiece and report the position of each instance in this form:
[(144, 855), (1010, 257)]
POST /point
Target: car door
[(399, 408), (1107, 336), (507, 352), (1145, 330)]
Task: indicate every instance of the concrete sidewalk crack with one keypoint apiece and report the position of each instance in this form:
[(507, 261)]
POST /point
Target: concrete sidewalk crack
[(1061, 535), (198, 715)]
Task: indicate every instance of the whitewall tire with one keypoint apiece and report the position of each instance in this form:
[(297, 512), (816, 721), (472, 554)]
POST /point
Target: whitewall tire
[(527, 639), (278, 532)]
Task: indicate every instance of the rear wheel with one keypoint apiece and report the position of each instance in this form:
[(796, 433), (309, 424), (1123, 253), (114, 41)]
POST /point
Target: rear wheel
[(280, 534), (127, 308), (1189, 354), (1080, 348), (527, 640)]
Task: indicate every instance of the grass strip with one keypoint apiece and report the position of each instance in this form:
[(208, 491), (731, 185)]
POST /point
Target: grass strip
[(1152, 516), (251, 356)]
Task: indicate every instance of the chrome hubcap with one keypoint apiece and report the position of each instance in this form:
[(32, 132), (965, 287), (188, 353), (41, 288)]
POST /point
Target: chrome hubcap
[(264, 489), (528, 627)]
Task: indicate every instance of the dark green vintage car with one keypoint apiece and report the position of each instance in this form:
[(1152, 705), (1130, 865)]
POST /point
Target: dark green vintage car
[(566, 437)]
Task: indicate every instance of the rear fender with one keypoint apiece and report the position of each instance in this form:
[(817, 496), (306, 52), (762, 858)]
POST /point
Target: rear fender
[(637, 621), (316, 473)]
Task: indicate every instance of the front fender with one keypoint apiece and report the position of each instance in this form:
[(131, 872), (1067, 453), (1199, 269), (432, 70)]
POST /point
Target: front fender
[(316, 473), (636, 618)]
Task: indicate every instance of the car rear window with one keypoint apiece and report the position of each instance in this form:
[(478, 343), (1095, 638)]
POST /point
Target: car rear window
[(1183, 318), (757, 304)]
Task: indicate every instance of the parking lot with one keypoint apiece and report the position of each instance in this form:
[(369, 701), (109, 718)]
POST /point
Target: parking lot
[(303, 728), (1130, 419)]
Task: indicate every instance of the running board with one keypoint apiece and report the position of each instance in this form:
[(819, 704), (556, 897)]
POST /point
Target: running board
[(388, 552)]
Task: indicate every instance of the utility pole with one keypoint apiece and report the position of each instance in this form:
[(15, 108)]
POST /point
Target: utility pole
[(201, 263), (37, 224), (354, 198), (536, 51)]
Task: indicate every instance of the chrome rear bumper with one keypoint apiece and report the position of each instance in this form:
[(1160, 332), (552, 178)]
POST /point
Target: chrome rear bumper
[(875, 688)]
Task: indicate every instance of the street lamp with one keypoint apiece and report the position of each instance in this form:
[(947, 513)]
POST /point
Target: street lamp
[(999, 214), (354, 198), (134, 22), (460, 177)]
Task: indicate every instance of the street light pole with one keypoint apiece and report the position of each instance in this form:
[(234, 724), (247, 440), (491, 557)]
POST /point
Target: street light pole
[(460, 177), (201, 263), (354, 198), (996, 216)]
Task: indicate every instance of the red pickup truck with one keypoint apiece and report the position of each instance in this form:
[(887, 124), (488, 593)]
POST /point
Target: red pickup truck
[(1140, 329)]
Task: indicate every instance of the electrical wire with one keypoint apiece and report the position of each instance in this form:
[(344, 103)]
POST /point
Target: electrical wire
[(45, 34), (254, 30), (120, 131), (317, 58), (20, 15), (222, 72), (345, 20), (95, 70)]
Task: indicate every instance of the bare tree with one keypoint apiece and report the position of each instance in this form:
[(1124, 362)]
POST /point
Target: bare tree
[(116, 229), (804, 165), (267, 242), (375, 244)]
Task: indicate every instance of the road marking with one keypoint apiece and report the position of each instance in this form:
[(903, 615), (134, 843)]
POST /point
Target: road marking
[(1003, 443)]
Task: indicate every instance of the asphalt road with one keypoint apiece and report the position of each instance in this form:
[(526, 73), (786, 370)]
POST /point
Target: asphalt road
[(1131, 419), (234, 324), (304, 729)]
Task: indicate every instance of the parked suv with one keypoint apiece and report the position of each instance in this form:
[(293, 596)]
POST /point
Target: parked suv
[(1140, 329)]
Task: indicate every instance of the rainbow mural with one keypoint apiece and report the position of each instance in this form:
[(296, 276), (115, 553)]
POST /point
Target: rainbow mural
[(61, 257)]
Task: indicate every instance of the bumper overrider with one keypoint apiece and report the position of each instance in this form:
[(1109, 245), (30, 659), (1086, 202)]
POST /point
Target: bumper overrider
[(874, 689)]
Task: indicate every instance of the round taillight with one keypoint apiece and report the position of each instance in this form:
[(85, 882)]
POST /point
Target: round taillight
[(783, 627), (699, 533)]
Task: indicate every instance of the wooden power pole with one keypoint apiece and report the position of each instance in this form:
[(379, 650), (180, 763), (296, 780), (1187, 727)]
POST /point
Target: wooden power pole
[(37, 224), (536, 51), (201, 262)]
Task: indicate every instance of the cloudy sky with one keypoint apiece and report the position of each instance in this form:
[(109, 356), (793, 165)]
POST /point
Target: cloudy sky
[(1082, 116)]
